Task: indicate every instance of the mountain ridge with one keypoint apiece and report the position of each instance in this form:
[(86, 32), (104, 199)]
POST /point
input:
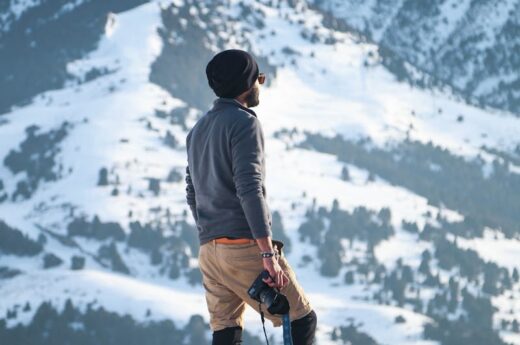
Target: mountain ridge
[(380, 258)]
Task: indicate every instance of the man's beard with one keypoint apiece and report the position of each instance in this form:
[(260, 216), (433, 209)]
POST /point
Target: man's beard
[(253, 98)]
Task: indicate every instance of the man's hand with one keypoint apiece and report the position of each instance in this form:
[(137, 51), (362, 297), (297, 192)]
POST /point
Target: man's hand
[(273, 267), (271, 264)]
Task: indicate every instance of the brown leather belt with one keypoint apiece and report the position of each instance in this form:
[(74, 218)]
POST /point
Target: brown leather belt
[(226, 240)]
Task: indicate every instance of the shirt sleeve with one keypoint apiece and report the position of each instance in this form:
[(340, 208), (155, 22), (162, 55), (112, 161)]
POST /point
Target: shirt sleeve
[(190, 190), (247, 151), (190, 194)]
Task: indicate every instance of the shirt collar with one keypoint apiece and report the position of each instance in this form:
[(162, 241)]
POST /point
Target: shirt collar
[(219, 102)]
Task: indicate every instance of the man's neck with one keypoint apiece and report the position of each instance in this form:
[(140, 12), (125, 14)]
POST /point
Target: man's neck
[(243, 102), (237, 102)]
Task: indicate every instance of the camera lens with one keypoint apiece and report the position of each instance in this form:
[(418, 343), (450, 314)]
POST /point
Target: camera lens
[(275, 302), (267, 296)]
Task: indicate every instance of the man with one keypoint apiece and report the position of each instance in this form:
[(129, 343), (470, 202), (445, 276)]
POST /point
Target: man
[(226, 193)]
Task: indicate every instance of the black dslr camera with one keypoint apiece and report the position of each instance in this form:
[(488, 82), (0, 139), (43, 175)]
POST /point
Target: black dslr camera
[(276, 302)]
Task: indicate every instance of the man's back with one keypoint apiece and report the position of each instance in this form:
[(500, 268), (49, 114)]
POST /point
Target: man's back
[(226, 173)]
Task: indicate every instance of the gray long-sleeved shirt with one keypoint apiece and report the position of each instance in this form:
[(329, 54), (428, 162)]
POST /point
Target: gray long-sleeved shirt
[(225, 174)]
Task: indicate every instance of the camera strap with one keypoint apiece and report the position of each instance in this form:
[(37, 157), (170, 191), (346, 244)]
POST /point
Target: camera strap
[(286, 322), (287, 337), (263, 321)]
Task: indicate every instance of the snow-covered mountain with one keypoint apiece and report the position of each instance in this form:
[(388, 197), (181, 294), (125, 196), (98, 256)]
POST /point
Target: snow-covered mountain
[(399, 204), (470, 46)]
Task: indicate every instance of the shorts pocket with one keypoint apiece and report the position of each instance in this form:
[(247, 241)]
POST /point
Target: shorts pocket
[(244, 258)]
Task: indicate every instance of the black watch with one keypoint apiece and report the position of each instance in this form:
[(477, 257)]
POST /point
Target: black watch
[(267, 254)]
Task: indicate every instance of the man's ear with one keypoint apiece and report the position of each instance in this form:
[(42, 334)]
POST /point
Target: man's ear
[(248, 92), (241, 98)]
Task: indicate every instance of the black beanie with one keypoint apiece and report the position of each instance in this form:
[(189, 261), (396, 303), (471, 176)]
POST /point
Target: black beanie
[(231, 72)]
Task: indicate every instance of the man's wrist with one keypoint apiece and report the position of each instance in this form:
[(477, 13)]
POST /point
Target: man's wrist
[(265, 244), (270, 260)]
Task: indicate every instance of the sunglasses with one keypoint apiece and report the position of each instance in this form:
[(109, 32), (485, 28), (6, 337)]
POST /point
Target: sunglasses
[(261, 78)]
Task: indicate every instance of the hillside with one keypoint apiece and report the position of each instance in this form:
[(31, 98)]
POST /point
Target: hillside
[(469, 47), (399, 202)]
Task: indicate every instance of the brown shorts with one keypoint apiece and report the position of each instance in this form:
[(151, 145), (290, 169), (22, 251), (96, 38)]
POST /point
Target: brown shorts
[(228, 270)]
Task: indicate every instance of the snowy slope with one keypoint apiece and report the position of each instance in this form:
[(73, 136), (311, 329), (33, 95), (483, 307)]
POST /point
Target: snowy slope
[(468, 45), (331, 89)]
